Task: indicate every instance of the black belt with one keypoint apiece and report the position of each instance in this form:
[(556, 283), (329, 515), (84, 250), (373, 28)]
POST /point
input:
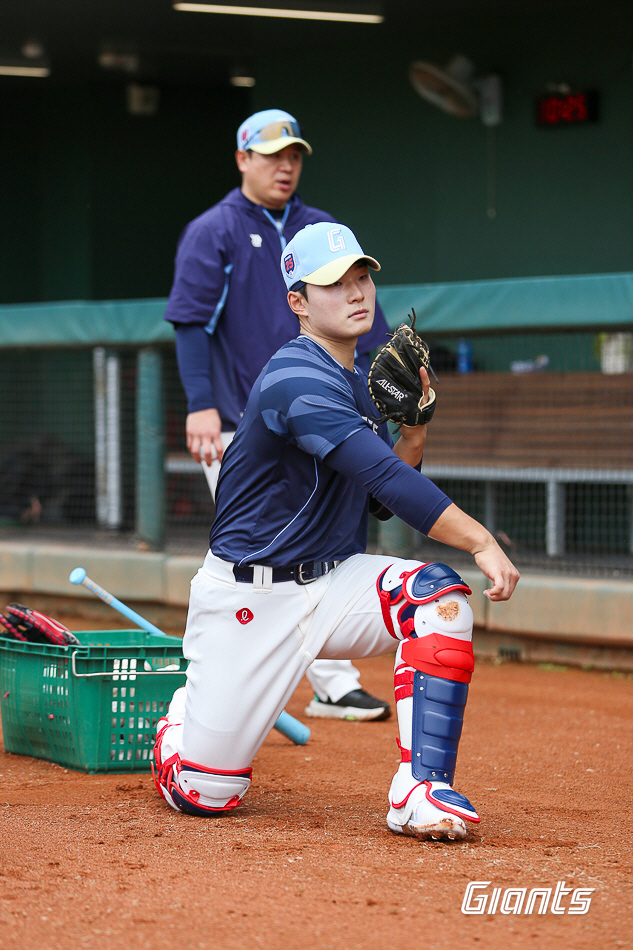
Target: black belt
[(300, 573)]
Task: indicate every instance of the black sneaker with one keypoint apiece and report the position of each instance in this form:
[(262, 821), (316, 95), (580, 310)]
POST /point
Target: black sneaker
[(358, 704)]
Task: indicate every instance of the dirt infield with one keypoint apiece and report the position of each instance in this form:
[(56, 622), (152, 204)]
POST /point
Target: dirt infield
[(307, 862)]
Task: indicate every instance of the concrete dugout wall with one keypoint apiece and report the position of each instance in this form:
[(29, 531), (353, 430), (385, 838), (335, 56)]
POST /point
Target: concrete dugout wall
[(565, 619)]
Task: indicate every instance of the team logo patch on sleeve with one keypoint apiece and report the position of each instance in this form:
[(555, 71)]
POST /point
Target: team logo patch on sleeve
[(289, 263)]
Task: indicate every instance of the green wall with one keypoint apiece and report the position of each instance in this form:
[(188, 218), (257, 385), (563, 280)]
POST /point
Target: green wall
[(20, 196), (413, 181), (93, 199)]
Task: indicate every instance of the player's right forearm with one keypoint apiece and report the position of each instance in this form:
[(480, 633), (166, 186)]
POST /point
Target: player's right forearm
[(458, 529), (194, 365)]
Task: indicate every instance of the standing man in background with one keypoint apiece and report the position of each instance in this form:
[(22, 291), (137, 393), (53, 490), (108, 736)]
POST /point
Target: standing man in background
[(230, 311)]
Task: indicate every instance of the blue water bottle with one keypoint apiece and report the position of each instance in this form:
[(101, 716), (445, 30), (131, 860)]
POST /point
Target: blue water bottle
[(464, 356)]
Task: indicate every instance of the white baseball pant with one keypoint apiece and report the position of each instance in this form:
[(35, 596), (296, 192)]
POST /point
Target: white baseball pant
[(331, 679), (249, 644), (243, 671)]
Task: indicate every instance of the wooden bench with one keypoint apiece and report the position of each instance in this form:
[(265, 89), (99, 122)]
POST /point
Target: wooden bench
[(551, 428), (555, 429)]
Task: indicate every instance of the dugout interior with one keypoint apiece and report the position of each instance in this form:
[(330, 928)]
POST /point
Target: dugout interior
[(536, 440)]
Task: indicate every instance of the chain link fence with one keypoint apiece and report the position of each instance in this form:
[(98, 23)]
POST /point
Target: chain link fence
[(533, 435)]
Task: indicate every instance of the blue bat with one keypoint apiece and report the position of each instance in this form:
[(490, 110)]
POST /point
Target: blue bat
[(290, 727)]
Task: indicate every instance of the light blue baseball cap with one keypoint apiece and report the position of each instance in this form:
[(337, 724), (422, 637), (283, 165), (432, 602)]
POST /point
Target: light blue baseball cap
[(270, 131), (320, 254)]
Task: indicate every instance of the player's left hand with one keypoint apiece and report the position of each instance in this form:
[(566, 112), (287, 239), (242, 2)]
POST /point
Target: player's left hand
[(414, 431), (394, 384), (415, 436)]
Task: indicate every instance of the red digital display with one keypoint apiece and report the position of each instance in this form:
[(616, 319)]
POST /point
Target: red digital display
[(571, 109)]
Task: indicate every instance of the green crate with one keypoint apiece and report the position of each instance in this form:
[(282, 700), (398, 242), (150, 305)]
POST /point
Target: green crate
[(92, 707)]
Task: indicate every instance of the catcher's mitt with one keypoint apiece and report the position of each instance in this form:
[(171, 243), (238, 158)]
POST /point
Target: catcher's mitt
[(30, 626), (394, 378)]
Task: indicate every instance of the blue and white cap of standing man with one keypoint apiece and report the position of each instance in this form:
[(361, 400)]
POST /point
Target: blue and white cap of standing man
[(269, 131), (320, 254)]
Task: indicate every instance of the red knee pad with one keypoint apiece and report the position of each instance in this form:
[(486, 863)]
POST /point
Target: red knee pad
[(438, 655)]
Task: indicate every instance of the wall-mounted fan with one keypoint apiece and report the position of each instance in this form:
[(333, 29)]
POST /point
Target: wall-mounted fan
[(453, 89)]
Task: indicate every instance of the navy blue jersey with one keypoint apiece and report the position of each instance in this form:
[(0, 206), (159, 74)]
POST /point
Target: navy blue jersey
[(228, 283), (278, 500)]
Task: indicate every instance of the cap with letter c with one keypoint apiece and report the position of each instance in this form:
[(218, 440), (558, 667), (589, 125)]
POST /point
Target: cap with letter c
[(269, 131), (320, 254)]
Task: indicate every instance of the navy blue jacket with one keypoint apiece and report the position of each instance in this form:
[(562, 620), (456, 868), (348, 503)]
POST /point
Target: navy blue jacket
[(228, 282)]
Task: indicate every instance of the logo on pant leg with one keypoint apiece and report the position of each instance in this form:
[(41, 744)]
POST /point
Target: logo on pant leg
[(244, 615)]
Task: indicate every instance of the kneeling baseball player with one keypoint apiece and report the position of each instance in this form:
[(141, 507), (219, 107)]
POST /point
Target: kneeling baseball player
[(287, 578)]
